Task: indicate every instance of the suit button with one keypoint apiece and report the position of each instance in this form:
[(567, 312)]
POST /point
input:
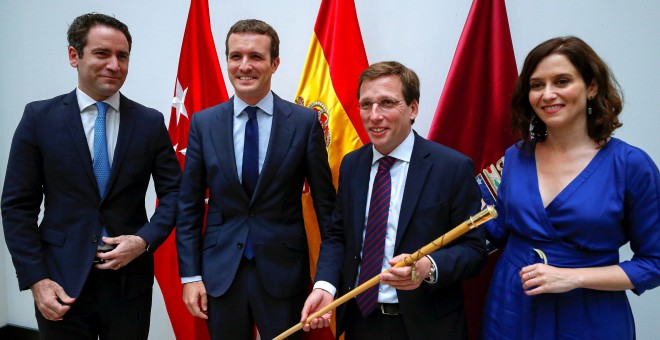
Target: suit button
[(94, 238), (239, 245), (251, 214)]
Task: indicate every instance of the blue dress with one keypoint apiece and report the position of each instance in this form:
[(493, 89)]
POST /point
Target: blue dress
[(614, 200)]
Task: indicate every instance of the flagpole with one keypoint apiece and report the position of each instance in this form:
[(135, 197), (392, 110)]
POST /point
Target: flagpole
[(473, 222)]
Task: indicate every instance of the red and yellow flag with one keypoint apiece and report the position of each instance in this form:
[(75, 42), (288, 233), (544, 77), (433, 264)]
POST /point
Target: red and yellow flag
[(473, 115), (328, 84), (199, 85), (335, 60)]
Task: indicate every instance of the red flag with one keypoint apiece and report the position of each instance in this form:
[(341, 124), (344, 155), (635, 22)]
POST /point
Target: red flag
[(329, 85), (473, 114), (199, 85)]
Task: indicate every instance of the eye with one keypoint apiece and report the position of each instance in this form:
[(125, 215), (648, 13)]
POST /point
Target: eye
[(562, 82), (388, 103), (365, 105), (535, 86)]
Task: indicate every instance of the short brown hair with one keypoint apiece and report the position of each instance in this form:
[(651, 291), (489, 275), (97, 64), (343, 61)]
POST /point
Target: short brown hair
[(409, 79), (259, 27), (606, 105)]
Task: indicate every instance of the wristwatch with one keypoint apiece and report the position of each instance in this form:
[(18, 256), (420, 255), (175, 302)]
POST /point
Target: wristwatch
[(431, 278)]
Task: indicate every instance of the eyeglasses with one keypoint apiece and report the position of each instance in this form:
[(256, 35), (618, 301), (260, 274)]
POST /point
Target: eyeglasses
[(386, 104)]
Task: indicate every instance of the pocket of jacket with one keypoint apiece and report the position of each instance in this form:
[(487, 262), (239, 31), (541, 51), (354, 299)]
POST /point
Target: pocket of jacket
[(53, 237)]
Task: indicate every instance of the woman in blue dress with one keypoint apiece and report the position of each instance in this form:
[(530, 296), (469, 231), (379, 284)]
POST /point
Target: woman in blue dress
[(571, 195)]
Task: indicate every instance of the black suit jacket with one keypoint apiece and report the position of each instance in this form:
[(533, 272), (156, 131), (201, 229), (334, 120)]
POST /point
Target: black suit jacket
[(50, 160), (273, 217), (440, 193)]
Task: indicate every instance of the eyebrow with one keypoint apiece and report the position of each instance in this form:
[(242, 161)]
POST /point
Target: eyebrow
[(554, 76)]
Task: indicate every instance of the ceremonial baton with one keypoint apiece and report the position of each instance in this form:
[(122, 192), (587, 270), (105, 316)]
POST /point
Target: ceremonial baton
[(473, 222)]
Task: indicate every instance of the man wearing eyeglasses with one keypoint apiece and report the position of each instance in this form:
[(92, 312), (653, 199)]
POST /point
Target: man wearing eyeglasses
[(397, 194)]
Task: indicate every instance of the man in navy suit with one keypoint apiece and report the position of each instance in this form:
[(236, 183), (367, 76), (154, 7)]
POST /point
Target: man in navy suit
[(429, 190), (89, 261), (253, 153)]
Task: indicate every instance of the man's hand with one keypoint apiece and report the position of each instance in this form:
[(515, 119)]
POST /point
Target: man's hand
[(51, 299), (128, 247), (318, 299), (401, 278), (194, 297)]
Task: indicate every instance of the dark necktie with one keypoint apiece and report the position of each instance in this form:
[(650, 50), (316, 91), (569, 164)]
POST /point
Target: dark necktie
[(250, 164), (101, 164), (373, 249)]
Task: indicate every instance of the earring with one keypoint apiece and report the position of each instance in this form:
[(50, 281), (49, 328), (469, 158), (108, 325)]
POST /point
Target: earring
[(589, 109), (537, 129)]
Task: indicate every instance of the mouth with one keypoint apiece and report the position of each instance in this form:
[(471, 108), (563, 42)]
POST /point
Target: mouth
[(552, 108), (378, 130), (246, 78)]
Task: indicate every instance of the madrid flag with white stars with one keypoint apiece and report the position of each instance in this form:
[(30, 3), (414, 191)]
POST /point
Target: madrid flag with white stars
[(199, 84)]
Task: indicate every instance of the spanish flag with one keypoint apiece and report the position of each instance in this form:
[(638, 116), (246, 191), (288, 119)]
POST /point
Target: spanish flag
[(328, 84)]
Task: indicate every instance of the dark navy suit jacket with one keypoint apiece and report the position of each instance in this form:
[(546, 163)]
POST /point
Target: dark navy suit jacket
[(50, 160), (440, 193), (273, 217)]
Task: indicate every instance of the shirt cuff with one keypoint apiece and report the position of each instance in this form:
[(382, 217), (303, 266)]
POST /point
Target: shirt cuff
[(327, 286), (191, 279)]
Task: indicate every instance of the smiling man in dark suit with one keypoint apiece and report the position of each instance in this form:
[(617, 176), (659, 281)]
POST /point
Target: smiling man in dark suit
[(89, 155), (397, 194), (253, 153)]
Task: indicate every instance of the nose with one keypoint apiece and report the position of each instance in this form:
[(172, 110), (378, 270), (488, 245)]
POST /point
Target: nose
[(113, 64), (549, 93), (245, 64), (375, 112)]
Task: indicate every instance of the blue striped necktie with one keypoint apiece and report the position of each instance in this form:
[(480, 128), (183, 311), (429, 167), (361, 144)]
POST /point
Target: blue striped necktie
[(373, 249), (101, 164), (250, 172)]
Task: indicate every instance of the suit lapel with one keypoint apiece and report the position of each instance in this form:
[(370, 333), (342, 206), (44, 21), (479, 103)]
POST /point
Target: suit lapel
[(418, 171), (360, 185), (281, 134), (71, 115), (127, 116), (222, 136)]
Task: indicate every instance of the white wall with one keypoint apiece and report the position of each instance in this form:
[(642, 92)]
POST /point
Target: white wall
[(422, 34)]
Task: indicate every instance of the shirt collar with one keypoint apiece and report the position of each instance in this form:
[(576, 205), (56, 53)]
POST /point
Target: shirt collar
[(402, 152), (265, 104), (84, 101)]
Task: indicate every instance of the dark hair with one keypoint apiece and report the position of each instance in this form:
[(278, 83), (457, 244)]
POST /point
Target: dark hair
[(79, 29), (409, 79), (259, 27), (606, 105)]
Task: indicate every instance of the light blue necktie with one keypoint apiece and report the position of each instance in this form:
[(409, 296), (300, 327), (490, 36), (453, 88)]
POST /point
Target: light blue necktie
[(101, 163)]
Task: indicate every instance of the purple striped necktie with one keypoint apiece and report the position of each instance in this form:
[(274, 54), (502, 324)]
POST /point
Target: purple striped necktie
[(373, 248)]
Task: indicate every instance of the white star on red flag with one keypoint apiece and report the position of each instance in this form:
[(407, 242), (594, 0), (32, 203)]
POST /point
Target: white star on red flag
[(178, 102)]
